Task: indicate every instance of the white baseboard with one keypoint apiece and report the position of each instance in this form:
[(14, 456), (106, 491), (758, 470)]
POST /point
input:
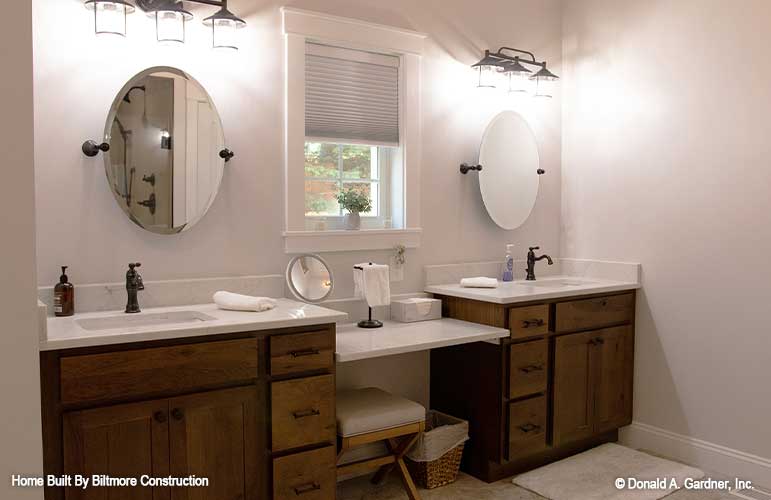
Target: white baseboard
[(708, 456)]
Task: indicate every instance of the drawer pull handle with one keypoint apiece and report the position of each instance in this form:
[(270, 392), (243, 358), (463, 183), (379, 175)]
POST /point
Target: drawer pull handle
[(304, 352), (603, 302), (597, 341), (160, 416), (177, 414), (527, 323), (306, 413), (528, 428), (531, 368), (306, 488)]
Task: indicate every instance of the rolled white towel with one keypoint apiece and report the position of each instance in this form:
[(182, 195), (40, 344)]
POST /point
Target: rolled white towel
[(237, 302), (479, 282)]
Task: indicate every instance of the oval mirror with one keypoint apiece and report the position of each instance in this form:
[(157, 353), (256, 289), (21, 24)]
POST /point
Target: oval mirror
[(510, 175), (309, 278), (164, 165)]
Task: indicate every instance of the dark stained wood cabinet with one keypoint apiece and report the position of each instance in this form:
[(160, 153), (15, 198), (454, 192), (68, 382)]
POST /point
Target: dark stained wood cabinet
[(562, 383), (121, 441), (228, 407)]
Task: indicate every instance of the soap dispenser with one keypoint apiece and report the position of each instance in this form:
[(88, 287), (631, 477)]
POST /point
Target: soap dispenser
[(64, 296), (508, 264)]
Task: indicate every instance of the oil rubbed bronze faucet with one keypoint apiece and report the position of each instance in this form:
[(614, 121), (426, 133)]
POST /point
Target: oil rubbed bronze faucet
[(532, 259), (133, 285)]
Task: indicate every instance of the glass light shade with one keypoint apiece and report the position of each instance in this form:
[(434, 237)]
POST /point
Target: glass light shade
[(488, 76), (170, 26), (545, 87), (519, 82), (224, 34), (110, 16)]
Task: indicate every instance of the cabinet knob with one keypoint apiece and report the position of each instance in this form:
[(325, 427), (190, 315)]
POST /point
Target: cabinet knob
[(177, 414), (160, 416), (531, 368), (306, 488)]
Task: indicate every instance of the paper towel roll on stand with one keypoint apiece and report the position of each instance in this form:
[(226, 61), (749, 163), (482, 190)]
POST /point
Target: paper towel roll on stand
[(371, 282)]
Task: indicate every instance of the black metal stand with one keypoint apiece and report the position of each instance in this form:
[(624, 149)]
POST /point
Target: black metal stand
[(370, 323)]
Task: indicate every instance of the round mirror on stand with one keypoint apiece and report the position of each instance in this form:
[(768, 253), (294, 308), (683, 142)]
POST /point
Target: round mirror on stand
[(510, 172), (309, 278), (164, 150)]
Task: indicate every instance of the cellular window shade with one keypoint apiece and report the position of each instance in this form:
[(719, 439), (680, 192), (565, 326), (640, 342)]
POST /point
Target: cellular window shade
[(351, 96)]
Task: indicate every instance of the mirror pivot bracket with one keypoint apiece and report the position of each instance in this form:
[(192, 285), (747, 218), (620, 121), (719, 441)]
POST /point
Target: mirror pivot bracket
[(465, 168), (91, 148)]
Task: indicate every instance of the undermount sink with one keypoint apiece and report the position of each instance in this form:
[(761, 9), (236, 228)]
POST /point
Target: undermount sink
[(143, 320), (555, 283)]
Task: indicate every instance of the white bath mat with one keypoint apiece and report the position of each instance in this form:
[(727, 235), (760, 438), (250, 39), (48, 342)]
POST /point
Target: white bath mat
[(593, 475)]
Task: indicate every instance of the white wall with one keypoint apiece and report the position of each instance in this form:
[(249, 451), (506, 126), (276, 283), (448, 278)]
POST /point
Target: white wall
[(20, 451), (77, 76), (666, 119)]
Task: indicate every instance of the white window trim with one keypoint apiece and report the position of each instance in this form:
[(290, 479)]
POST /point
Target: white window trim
[(301, 26)]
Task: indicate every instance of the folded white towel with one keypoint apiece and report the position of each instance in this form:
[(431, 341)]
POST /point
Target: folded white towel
[(237, 302), (372, 283), (479, 282)]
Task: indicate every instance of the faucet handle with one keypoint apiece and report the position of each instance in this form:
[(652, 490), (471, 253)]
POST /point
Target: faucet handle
[(534, 248), (132, 265)]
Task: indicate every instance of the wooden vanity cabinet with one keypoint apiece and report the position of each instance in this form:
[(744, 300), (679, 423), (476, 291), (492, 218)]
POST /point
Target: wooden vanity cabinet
[(243, 410), (562, 383)]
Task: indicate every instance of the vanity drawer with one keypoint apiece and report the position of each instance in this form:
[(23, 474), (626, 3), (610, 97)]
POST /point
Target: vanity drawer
[(528, 368), (309, 475), (303, 412), (597, 312), (529, 321), (157, 370), (527, 426), (302, 352)]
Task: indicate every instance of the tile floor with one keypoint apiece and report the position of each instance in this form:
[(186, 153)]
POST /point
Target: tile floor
[(467, 487)]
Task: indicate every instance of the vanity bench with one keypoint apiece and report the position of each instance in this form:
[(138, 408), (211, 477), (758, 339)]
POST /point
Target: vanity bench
[(561, 382)]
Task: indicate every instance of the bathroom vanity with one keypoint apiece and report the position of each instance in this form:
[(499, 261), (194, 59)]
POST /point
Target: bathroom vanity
[(247, 400), (560, 383)]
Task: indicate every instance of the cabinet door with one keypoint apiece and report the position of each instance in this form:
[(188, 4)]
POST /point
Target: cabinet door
[(214, 435), (121, 441), (615, 374), (574, 387)]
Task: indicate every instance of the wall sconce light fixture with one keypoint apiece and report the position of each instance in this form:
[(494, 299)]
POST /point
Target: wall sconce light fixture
[(510, 63), (170, 18)]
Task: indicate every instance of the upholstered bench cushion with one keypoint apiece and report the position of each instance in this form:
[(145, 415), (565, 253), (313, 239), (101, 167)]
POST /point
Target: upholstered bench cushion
[(361, 411)]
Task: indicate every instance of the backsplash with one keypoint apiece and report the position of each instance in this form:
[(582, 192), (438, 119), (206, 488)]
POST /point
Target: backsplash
[(112, 296)]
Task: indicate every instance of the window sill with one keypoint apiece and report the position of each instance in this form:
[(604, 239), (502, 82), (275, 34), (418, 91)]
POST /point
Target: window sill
[(342, 241)]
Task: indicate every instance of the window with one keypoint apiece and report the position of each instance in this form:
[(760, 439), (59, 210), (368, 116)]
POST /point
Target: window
[(352, 121), (351, 106)]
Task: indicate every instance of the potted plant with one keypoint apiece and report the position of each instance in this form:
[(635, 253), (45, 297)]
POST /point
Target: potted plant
[(354, 202)]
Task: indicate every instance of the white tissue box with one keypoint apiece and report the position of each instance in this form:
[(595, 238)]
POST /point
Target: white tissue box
[(411, 310)]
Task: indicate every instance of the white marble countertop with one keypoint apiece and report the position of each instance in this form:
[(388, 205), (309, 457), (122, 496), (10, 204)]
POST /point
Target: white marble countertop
[(65, 333), (553, 287), (354, 343)]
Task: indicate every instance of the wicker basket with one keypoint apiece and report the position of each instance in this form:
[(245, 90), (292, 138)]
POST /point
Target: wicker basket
[(439, 472)]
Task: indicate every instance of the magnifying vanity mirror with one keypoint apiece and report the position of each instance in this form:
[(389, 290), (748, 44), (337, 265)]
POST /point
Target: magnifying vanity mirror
[(309, 278), (164, 150), (509, 170)]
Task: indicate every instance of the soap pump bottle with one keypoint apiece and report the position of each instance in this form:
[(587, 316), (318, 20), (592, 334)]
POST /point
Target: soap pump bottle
[(508, 264), (64, 296)]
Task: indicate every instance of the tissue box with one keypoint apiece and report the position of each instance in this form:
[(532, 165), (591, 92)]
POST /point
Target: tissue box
[(419, 309)]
